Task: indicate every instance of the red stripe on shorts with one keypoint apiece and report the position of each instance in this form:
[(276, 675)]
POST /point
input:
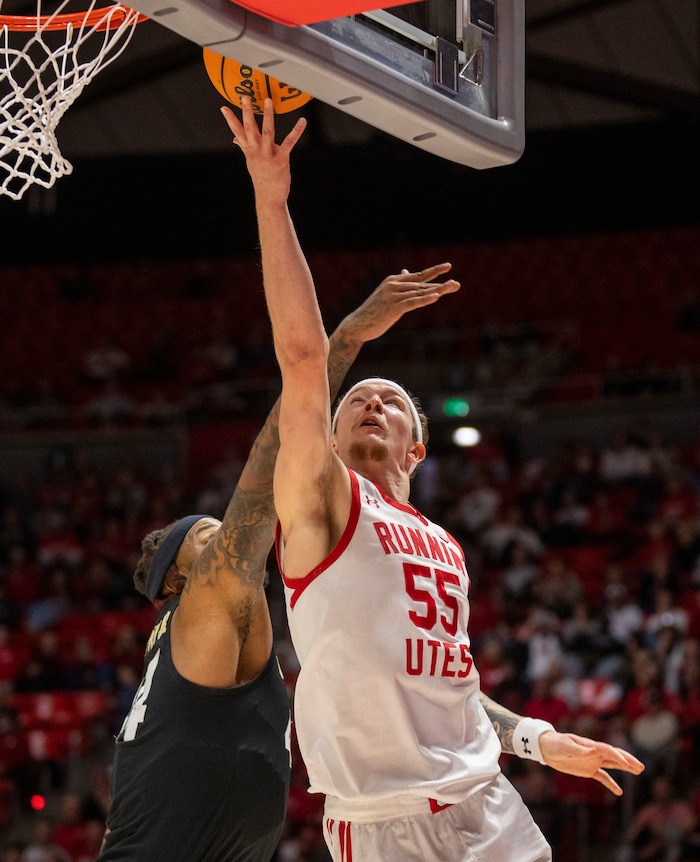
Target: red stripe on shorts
[(345, 840)]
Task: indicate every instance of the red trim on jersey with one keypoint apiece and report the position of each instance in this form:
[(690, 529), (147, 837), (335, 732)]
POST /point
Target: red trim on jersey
[(298, 585), (460, 550), (436, 806), (403, 507), (457, 546)]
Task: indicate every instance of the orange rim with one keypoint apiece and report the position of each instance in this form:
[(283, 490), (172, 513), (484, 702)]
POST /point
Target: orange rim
[(101, 19)]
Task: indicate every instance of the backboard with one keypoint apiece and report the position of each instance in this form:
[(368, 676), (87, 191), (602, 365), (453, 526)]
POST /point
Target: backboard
[(446, 76)]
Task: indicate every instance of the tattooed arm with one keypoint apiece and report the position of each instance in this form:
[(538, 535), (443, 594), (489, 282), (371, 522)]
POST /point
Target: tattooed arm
[(380, 311), (565, 752), (503, 721)]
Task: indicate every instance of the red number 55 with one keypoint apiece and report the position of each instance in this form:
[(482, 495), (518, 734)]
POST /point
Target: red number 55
[(425, 597)]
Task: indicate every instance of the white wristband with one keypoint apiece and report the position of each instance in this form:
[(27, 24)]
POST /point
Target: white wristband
[(526, 738)]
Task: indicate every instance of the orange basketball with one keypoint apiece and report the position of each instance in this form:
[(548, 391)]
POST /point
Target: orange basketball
[(233, 80)]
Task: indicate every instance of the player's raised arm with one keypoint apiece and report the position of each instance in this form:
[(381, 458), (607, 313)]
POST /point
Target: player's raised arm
[(304, 464)]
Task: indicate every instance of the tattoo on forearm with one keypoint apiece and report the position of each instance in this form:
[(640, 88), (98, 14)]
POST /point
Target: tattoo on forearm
[(341, 356), (242, 547), (263, 453), (248, 526), (503, 721)]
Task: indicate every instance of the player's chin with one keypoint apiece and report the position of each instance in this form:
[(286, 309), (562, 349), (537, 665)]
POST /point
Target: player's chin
[(372, 448)]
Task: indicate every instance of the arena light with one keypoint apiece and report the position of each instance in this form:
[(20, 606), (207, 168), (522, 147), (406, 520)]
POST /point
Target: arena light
[(455, 407), (466, 436)]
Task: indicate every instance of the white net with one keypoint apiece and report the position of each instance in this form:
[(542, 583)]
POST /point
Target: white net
[(43, 70)]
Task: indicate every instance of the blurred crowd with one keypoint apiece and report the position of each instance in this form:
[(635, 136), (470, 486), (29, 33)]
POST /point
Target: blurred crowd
[(153, 343)]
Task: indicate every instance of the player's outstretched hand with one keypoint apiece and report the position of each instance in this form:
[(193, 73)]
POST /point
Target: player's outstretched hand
[(396, 295), (267, 161), (578, 755)]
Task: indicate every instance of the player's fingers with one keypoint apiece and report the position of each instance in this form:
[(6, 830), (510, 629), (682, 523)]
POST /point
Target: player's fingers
[(621, 759), (449, 286), (608, 781), (610, 757), (420, 298), (268, 123), (412, 291), (293, 136), (232, 121), (431, 272), (420, 288), (427, 274), (250, 125)]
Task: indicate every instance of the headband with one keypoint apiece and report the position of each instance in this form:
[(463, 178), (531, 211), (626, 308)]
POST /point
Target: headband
[(382, 381), (166, 553)]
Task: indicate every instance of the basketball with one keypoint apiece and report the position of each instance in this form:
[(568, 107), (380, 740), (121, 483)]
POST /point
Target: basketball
[(234, 80)]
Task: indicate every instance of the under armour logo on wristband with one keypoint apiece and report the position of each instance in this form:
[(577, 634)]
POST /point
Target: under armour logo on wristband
[(526, 738)]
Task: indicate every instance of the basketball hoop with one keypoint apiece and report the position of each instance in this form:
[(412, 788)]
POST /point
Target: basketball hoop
[(41, 75)]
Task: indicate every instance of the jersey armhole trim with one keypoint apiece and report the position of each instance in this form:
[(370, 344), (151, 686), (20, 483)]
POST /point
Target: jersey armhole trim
[(298, 585)]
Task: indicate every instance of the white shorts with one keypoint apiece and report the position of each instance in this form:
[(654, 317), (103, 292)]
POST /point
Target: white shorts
[(491, 825)]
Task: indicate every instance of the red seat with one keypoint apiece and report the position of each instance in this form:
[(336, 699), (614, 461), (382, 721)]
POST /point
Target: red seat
[(44, 709), (90, 704), (55, 743)]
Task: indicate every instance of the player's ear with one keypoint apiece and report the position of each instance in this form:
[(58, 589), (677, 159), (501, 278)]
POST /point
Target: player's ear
[(415, 455), (174, 582)]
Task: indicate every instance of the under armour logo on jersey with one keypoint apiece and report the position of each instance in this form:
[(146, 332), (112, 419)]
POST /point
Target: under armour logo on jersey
[(371, 501), (525, 741)]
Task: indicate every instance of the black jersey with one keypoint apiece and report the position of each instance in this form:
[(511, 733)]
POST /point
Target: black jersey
[(200, 774)]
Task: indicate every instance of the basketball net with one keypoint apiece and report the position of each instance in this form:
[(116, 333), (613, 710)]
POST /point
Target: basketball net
[(45, 63)]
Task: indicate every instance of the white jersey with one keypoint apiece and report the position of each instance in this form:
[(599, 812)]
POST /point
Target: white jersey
[(387, 700)]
